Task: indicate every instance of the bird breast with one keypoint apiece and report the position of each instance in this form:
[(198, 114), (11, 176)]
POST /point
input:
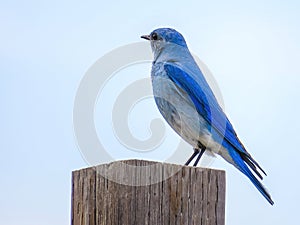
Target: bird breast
[(176, 107)]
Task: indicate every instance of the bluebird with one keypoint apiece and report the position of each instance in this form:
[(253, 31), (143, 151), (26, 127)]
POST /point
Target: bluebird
[(190, 107)]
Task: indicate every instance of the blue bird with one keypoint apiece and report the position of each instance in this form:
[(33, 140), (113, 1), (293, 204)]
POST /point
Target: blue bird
[(189, 106)]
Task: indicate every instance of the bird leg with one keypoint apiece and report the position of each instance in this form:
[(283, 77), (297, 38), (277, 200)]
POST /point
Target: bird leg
[(199, 156), (196, 152)]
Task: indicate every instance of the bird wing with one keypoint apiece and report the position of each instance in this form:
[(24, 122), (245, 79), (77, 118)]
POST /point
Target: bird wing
[(208, 107)]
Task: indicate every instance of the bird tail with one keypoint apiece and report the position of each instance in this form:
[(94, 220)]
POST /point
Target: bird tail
[(241, 165)]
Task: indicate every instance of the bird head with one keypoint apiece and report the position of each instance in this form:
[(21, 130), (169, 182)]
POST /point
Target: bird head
[(163, 37)]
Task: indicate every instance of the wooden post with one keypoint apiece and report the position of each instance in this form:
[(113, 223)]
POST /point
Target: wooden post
[(138, 192)]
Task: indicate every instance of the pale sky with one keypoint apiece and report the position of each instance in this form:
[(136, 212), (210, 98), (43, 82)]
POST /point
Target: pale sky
[(251, 47)]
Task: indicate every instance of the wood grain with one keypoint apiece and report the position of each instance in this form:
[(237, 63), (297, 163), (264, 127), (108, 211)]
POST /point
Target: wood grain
[(138, 192)]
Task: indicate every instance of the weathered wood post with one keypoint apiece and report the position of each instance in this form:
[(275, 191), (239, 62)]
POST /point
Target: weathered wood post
[(138, 192)]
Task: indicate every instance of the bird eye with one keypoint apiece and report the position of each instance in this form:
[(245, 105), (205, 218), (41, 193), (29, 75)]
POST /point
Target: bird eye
[(154, 36)]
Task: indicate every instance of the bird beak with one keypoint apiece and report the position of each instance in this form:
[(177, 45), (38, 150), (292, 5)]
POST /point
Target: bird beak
[(147, 37)]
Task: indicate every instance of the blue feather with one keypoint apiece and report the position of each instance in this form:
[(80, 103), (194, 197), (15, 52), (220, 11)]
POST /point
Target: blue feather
[(208, 107), (206, 104), (245, 170)]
